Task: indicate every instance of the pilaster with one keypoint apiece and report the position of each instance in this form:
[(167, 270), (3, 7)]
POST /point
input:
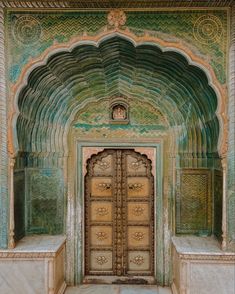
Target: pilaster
[(231, 139), (4, 205)]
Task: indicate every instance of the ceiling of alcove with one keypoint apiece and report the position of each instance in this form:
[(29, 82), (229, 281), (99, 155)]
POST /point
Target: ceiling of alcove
[(58, 90)]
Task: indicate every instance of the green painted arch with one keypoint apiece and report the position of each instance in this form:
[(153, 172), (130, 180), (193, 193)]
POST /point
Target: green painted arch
[(57, 90)]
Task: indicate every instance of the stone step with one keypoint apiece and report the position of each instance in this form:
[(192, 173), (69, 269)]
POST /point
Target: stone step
[(118, 289)]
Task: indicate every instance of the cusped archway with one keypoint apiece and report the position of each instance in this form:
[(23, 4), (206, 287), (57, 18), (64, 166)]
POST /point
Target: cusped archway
[(167, 97), (57, 90)]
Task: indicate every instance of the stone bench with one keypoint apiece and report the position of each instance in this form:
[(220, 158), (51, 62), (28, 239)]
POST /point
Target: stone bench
[(201, 267), (35, 266)]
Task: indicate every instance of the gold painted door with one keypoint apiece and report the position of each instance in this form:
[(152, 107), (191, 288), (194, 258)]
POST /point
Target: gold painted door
[(119, 218)]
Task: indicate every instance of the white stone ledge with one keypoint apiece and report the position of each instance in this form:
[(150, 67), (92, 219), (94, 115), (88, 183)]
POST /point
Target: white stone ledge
[(207, 247), (201, 267), (35, 246), (36, 265)]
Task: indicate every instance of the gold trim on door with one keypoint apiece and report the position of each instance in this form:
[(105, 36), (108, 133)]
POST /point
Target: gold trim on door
[(119, 214)]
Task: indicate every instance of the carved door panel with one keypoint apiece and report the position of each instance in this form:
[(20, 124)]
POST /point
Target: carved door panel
[(138, 204), (119, 223)]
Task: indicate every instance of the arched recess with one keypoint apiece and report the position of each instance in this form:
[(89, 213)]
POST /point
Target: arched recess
[(56, 93), (136, 41), (69, 78)]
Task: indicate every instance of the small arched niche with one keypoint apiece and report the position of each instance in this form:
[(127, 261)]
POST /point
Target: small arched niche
[(119, 111)]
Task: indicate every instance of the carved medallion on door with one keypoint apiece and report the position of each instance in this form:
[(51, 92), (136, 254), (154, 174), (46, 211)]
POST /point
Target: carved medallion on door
[(119, 214)]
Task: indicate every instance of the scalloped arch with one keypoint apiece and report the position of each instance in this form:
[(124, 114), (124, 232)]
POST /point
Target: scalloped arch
[(175, 50)]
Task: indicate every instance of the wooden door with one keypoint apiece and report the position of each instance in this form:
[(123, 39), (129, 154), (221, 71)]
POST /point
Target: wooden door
[(119, 218)]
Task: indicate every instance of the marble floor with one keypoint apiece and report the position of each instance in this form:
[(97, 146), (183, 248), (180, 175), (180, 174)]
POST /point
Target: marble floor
[(117, 289)]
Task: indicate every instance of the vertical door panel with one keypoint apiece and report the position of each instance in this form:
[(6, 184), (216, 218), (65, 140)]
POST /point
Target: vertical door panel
[(100, 251), (139, 210)]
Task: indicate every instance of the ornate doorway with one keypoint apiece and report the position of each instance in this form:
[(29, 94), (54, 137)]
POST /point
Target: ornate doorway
[(119, 215)]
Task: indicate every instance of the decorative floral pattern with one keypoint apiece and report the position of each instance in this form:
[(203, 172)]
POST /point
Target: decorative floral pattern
[(116, 18), (103, 186), (138, 260), (27, 30), (103, 165), (101, 260), (135, 165), (138, 210), (102, 211), (101, 236), (138, 236), (207, 29), (135, 186)]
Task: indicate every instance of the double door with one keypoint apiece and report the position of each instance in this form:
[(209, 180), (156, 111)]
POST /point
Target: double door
[(119, 218)]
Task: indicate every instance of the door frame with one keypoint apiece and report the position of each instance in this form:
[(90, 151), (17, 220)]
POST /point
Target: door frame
[(84, 150), (127, 275)]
